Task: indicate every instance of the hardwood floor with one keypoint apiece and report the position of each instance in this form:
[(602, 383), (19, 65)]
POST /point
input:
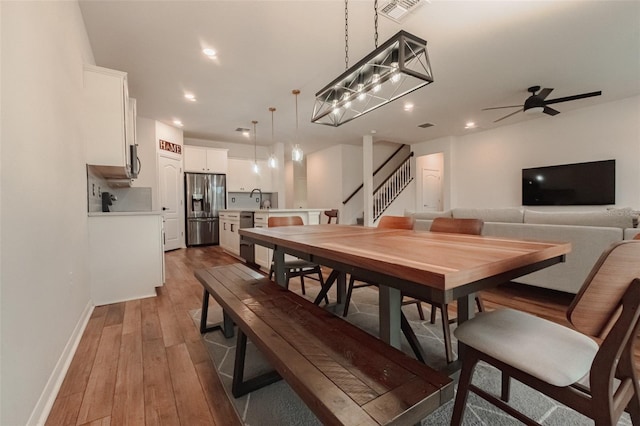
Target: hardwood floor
[(143, 362)]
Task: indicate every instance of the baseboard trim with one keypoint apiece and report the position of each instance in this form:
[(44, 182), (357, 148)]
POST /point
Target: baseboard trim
[(43, 407)]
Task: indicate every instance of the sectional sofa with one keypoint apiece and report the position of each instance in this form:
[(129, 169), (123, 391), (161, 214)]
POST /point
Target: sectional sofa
[(588, 232)]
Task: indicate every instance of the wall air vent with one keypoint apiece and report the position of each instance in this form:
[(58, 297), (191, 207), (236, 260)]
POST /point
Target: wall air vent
[(426, 125), (397, 10)]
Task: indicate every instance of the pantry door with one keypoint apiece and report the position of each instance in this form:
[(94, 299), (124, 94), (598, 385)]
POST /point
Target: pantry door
[(170, 171)]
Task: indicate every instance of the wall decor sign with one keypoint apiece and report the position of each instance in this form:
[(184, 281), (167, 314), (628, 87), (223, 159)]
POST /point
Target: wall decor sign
[(171, 147)]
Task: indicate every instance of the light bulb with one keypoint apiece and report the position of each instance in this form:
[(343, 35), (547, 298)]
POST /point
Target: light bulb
[(273, 161), (376, 88), (375, 78), (362, 96), (256, 169), (296, 153), (395, 77), (336, 108)]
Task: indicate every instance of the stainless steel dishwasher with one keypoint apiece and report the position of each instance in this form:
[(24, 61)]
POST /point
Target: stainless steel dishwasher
[(247, 250)]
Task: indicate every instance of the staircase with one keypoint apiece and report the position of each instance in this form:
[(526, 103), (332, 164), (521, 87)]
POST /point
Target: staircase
[(391, 187), (389, 190)]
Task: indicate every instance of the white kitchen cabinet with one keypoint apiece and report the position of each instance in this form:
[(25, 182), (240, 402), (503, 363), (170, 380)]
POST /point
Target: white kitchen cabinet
[(242, 178), (263, 255), (205, 160), (125, 256), (108, 120), (229, 237)]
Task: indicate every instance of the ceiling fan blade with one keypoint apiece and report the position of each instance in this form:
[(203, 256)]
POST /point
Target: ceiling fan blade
[(550, 111), (544, 93), (510, 106), (509, 115), (572, 98)]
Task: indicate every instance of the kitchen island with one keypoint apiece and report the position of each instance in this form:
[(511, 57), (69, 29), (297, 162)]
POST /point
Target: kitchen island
[(230, 223)]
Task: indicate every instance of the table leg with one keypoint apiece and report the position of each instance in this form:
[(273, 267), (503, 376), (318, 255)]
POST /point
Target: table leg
[(278, 260), (341, 287), (390, 305)]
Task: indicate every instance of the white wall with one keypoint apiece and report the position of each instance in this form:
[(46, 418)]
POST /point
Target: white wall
[(484, 169), (44, 270), (324, 179), (351, 179), (335, 172)]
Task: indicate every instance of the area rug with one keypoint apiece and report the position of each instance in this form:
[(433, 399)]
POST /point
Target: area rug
[(277, 404)]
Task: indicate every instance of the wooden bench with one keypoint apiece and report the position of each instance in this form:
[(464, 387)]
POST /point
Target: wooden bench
[(343, 374)]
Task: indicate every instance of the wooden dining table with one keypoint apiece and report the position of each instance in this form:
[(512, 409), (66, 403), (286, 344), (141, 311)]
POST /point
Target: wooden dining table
[(436, 267)]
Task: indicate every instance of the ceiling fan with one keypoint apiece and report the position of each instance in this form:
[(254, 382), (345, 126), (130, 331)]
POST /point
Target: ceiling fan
[(538, 103)]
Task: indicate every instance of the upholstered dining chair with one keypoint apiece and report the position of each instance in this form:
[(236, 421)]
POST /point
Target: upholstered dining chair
[(386, 222), (298, 267), (590, 367), (453, 226)]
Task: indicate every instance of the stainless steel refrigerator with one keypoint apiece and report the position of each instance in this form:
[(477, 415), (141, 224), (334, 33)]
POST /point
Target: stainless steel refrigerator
[(205, 195)]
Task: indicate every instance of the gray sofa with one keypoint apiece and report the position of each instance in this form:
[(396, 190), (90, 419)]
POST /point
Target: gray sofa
[(589, 233)]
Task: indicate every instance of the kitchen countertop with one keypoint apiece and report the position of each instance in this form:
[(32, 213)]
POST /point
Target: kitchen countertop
[(151, 213)]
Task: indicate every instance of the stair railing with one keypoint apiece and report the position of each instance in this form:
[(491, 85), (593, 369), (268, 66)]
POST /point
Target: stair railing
[(374, 173), (389, 190)]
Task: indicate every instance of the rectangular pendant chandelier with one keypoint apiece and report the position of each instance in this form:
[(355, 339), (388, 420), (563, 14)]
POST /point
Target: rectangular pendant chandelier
[(398, 67)]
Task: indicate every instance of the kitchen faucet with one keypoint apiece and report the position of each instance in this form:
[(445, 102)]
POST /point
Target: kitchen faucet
[(259, 191)]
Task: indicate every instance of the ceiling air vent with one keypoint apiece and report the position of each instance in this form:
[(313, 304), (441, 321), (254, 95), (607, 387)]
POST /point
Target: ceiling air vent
[(397, 10), (426, 125)]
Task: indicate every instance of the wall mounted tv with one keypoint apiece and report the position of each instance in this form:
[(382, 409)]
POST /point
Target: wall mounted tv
[(592, 183)]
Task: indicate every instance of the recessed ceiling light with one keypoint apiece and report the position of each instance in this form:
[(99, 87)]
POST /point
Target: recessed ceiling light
[(470, 125), (178, 123), (210, 52), (408, 106), (190, 96)]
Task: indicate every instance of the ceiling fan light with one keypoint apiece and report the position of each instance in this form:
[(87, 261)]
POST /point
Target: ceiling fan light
[(534, 110)]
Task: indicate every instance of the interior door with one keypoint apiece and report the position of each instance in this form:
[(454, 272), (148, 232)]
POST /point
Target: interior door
[(171, 201), (431, 190)]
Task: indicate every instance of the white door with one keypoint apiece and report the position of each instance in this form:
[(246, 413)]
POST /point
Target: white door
[(431, 190), (171, 201)]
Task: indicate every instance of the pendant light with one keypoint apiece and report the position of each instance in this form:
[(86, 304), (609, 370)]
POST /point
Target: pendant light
[(256, 169), (296, 152), (273, 160), (398, 67)]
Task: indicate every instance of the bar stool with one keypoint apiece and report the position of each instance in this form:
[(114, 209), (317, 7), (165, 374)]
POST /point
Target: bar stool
[(333, 213)]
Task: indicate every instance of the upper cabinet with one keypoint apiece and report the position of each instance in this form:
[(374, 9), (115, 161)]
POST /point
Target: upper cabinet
[(205, 160), (109, 117), (242, 177)]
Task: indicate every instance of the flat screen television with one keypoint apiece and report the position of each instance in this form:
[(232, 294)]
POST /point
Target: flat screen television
[(592, 183)]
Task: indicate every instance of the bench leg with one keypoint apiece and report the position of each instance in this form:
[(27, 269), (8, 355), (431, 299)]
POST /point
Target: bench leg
[(239, 386), (227, 323)]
